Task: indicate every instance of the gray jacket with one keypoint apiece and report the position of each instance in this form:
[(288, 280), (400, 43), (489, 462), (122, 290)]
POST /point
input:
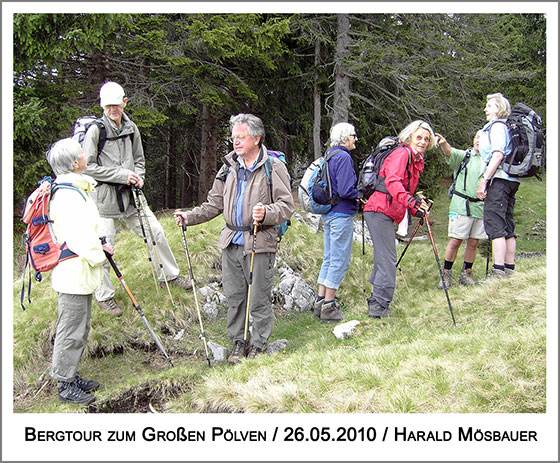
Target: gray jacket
[(111, 168)]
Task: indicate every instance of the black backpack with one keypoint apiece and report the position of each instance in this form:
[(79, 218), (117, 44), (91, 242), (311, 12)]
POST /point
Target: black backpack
[(527, 156), (369, 179)]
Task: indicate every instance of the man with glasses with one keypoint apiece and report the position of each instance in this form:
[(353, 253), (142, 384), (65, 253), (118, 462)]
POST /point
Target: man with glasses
[(116, 167), (242, 193)]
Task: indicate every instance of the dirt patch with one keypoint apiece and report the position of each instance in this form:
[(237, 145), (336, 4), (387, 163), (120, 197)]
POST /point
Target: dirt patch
[(149, 397)]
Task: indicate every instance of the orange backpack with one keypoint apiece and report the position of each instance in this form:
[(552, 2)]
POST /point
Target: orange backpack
[(43, 254)]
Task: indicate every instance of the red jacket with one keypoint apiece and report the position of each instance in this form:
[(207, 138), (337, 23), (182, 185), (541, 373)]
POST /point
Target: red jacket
[(401, 182)]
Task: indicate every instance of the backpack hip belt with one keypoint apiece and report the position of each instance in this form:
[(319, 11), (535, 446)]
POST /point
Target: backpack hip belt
[(248, 228), (468, 199)]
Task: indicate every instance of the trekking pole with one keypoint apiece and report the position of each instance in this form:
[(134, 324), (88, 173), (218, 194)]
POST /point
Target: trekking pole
[(420, 222), (488, 256), (135, 304), (439, 267), (141, 199), (144, 237), (202, 336), (363, 237), (255, 227)]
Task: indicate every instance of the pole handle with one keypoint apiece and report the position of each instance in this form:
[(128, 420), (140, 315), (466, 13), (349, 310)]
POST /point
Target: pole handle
[(110, 258)]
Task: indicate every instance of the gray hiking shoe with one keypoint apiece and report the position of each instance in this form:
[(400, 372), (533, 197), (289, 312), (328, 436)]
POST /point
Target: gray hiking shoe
[(509, 272), (317, 306), (446, 279), (179, 281), (466, 279), (376, 310), (331, 313), (86, 385), (71, 393), (238, 352), (496, 273), (110, 306)]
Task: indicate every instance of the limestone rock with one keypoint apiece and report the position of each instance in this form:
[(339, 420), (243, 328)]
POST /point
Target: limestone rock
[(219, 353), (345, 330), (277, 346), (292, 291)]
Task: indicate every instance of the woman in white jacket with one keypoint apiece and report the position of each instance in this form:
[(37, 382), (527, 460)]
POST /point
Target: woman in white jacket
[(76, 222)]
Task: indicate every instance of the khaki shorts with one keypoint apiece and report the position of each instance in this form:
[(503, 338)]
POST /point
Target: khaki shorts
[(463, 227)]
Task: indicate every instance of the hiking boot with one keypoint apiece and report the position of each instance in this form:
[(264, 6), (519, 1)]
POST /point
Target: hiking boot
[(86, 385), (330, 312), (238, 352), (179, 281), (496, 273), (466, 279), (110, 306), (71, 393), (376, 310), (254, 351), (446, 279), (317, 305), (509, 272)]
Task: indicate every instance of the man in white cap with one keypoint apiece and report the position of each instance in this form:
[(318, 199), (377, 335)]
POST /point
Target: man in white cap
[(116, 165)]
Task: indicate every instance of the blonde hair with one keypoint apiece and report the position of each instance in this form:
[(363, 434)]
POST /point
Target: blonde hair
[(406, 133), (504, 108)]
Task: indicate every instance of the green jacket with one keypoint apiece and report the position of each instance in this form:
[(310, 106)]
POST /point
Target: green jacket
[(117, 159), (471, 173), (222, 197)]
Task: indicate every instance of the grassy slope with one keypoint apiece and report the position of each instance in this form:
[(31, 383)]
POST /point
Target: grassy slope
[(415, 361)]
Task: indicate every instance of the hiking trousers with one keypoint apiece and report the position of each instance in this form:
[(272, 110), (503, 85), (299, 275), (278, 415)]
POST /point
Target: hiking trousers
[(384, 274), (235, 279), (170, 268), (71, 334)]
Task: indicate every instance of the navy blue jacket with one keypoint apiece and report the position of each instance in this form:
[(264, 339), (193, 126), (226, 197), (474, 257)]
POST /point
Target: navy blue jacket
[(343, 181)]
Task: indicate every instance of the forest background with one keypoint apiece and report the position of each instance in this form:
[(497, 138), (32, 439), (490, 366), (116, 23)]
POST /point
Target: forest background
[(186, 74)]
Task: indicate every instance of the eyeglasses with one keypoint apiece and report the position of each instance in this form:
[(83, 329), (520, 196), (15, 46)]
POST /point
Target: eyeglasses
[(354, 135), (239, 138)]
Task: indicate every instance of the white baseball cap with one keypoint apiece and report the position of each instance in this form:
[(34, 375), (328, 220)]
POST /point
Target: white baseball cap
[(111, 93)]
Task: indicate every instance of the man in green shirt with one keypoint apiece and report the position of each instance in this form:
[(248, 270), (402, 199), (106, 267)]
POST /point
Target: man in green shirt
[(465, 209)]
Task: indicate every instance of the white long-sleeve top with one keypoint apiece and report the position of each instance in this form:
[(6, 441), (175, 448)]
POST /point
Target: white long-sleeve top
[(77, 222)]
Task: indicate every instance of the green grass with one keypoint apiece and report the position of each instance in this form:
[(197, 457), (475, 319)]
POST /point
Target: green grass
[(493, 361)]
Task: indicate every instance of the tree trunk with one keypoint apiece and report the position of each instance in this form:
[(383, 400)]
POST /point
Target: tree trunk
[(208, 152), (317, 151), (186, 184), (341, 100), (171, 175)]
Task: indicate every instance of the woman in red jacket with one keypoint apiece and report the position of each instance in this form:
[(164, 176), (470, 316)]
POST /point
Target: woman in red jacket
[(401, 171)]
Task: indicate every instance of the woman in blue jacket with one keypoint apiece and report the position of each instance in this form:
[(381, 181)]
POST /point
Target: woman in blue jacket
[(338, 222)]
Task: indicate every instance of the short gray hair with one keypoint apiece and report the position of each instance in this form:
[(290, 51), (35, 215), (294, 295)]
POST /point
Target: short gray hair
[(340, 133), (255, 126), (406, 133), (63, 154)]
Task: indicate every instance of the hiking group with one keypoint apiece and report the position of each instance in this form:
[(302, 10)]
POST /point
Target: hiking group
[(103, 172)]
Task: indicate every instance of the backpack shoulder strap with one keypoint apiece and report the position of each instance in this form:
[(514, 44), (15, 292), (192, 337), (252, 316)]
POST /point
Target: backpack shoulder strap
[(330, 155), (224, 170), (68, 186), (464, 162), (268, 165)]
